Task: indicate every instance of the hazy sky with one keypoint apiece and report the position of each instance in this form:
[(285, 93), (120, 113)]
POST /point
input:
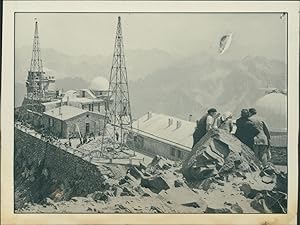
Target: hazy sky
[(183, 34)]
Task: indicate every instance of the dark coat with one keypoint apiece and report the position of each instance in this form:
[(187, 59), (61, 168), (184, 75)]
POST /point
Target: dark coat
[(200, 129), (263, 136), (246, 131)]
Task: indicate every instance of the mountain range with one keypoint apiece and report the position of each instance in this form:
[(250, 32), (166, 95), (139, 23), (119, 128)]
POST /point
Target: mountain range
[(166, 83)]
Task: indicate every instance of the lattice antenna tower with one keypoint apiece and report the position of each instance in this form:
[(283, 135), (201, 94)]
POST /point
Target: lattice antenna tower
[(35, 79), (36, 59), (118, 119)]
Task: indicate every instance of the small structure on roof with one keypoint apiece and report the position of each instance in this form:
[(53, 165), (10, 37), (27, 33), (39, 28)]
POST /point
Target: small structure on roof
[(159, 134)]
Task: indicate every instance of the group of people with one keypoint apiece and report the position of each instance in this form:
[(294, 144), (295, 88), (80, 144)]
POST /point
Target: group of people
[(250, 129)]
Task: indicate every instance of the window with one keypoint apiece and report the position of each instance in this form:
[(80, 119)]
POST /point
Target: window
[(106, 106), (173, 151), (87, 128), (82, 106), (91, 107), (98, 107), (83, 94), (179, 155), (50, 122)]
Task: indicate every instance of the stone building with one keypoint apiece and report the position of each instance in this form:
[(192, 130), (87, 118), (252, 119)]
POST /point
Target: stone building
[(66, 121), (158, 134)]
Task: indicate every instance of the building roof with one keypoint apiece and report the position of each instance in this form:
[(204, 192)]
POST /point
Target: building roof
[(65, 112), (85, 100), (157, 127), (52, 102), (88, 91)]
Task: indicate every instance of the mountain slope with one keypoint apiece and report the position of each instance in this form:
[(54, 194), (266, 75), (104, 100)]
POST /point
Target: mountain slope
[(164, 83), (204, 81), (139, 63)]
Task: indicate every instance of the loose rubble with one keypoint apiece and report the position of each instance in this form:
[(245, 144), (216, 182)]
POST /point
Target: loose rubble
[(221, 175)]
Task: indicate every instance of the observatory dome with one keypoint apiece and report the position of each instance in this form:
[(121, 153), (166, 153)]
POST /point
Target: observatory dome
[(99, 83), (273, 109), (71, 94)]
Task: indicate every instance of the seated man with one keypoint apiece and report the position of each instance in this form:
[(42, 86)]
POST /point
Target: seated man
[(225, 122), (206, 123)]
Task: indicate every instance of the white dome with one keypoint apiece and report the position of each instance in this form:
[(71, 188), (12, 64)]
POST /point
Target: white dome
[(273, 109), (70, 93), (99, 83)]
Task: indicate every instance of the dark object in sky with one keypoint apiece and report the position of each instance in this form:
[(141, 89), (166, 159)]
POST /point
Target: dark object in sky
[(225, 43)]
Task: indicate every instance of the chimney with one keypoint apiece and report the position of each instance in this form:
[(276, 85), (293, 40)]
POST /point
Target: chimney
[(59, 111), (68, 99), (149, 115), (170, 122), (190, 117), (178, 124)]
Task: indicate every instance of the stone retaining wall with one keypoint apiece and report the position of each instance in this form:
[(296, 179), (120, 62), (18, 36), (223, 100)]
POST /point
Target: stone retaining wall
[(47, 162)]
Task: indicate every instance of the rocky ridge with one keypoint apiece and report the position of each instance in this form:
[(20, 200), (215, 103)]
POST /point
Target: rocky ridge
[(230, 183)]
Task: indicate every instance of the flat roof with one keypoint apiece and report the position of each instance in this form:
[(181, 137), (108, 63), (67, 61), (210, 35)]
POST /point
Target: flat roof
[(85, 100), (53, 102), (64, 112), (157, 127)]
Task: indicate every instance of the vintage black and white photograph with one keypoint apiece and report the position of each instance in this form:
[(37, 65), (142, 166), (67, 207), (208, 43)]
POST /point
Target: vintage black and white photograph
[(157, 112)]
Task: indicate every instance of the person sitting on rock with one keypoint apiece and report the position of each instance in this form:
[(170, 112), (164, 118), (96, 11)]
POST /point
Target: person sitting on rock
[(225, 122), (206, 123), (262, 139)]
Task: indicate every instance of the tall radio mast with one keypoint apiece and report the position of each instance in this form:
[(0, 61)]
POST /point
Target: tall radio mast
[(118, 119)]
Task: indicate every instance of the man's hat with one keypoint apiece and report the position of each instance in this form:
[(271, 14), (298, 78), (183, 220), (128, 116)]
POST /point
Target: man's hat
[(244, 112), (252, 110), (211, 110)]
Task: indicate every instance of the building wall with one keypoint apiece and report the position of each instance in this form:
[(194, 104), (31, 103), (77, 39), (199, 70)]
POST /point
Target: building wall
[(95, 121), (75, 104), (32, 104), (54, 105), (153, 147), (57, 127), (93, 107)]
